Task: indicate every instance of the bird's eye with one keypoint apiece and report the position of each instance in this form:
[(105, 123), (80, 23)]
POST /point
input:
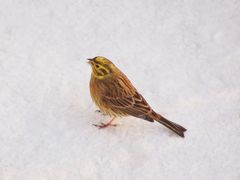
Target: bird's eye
[(97, 66)]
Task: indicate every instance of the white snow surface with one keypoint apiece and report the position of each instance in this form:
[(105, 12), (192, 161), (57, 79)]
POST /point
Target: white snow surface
[(182, 56)]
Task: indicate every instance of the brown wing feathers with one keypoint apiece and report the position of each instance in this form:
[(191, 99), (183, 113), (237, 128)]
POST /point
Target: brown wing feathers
[(116, 96)]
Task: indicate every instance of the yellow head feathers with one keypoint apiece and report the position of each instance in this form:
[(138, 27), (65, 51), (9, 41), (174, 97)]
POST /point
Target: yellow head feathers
[(101, 67)]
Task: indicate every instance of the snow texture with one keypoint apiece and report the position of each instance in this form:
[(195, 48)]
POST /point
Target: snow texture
[(183, 56)]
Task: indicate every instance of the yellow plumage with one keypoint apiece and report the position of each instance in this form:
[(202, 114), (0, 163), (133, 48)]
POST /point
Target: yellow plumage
[(115, 95)]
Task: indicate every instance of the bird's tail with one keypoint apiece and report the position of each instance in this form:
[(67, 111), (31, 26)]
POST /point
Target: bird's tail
[(171, 125)]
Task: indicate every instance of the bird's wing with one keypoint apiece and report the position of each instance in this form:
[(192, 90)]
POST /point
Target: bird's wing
[(134, 105)]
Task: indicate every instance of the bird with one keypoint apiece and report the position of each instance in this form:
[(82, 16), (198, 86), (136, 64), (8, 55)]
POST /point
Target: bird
[(115, 96)]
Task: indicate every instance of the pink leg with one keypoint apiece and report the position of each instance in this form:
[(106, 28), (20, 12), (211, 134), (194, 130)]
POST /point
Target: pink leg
[(102, 125)]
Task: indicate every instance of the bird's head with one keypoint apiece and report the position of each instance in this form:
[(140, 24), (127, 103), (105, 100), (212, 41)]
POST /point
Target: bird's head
[(101, 67)]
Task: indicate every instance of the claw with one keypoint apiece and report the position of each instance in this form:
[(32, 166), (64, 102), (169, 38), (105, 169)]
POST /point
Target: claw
[(102, 125)]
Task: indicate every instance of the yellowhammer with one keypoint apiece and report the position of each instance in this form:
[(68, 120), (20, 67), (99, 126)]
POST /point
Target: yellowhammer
[(115, 96)]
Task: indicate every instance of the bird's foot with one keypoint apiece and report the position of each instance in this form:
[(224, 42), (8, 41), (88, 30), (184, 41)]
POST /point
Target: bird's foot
[(103, 125)]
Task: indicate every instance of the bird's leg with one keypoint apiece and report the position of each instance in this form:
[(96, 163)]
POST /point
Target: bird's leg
[(102, 125)]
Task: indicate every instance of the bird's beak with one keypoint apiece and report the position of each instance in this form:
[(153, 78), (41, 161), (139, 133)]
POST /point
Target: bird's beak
[(90, 61)]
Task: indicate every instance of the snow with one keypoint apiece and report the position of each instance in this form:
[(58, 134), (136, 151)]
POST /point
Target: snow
[(183, 56)]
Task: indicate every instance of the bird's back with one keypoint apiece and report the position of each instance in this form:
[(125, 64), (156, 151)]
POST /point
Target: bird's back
[(116, 96)]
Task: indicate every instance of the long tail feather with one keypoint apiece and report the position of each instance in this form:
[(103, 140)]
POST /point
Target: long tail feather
[(178, 129)]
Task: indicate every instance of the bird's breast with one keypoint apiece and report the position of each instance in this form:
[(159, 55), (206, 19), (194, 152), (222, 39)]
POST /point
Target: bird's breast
[(98, 90)]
